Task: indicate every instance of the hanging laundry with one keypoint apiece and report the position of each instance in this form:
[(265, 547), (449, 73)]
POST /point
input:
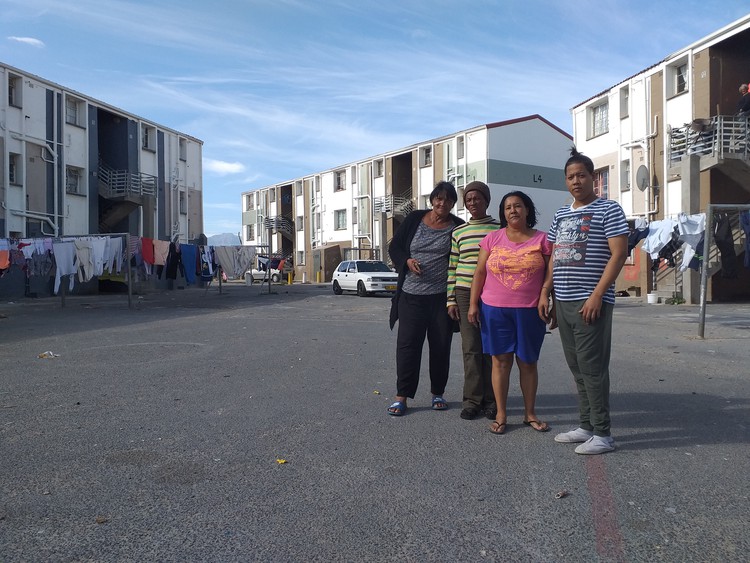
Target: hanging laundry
[(113, 259), (745, 224), (225, 257), (4, 254), (691, 229), (84, 259), (636, 236), (725, 243), (245, 260), (207, 263), (659, 234), (99, 254), (161, 251), (147, 249), (189, 261), (65, 254), (173, 262)]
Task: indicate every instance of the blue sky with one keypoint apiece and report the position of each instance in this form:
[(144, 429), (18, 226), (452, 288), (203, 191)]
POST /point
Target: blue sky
[(278, 89)]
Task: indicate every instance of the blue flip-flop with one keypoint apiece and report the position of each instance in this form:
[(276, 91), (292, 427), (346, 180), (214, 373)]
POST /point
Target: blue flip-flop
[(397, 409), (439, 404)]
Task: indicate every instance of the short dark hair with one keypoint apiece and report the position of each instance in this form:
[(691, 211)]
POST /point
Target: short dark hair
[(531, 218), (444, 187), (579, 158)]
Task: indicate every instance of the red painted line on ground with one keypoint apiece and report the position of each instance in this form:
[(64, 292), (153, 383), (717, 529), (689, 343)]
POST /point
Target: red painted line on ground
[(609, 543)]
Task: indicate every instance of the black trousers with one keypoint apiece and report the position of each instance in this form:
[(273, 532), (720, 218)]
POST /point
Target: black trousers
[(420, 316)]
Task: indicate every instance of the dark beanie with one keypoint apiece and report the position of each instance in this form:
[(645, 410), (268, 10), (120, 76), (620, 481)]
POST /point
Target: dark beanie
[(478, 186)]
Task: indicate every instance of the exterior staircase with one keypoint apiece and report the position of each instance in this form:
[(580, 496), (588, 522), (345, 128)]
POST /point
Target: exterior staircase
[(120, 193)]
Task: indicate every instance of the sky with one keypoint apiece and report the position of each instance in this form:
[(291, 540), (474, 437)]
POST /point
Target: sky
[(279, 89)]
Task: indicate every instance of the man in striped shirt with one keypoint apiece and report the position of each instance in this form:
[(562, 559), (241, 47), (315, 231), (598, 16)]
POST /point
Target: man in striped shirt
[(590, 239), (478, 396)]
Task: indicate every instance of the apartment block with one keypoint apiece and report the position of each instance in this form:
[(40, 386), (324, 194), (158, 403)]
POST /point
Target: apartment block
[(352, 210), (666, 141), (73, 165)]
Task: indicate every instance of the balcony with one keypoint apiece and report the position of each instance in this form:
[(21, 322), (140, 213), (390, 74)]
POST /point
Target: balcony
[(280, 224), (123, 184), (719, 141), (394, 205)]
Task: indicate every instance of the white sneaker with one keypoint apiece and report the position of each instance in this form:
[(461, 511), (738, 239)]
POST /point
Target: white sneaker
[(597, 445), (574, 436)]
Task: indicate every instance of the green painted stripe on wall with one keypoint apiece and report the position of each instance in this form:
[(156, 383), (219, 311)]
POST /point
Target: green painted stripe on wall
[(525, 175)]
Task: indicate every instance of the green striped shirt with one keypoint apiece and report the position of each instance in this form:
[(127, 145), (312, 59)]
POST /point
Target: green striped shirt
[(465, 253)]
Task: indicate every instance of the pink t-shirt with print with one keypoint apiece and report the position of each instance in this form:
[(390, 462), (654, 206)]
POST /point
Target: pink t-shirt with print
[(515, 270)]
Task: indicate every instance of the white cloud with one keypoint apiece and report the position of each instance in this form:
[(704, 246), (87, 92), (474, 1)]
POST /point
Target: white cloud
[(28, 41), (228, 206), (222, 168)]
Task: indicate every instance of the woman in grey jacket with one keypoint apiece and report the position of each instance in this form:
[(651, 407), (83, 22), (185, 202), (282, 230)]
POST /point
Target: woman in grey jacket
[(420, 250)]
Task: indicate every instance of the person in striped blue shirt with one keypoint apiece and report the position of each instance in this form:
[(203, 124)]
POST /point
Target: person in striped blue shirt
[(590, 245)]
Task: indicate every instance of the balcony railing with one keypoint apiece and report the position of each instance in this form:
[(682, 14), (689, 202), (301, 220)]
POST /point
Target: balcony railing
[(394, 204), (280, 223), (721, 136), (119, 183)]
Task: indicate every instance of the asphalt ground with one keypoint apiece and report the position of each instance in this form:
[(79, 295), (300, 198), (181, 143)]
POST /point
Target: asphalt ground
[(243, 426)]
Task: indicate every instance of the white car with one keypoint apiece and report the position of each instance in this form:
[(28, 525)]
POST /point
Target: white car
[(364, 277), (260, 273)]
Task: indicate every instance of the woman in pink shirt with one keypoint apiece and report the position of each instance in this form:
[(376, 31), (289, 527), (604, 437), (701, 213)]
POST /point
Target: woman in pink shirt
[(510, 273)]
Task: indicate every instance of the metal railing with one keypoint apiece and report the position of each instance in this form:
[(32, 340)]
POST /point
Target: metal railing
[(279, 223), (720, 136), (122, 183), (394, 204)]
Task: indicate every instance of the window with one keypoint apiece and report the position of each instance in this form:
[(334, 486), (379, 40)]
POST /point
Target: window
[(677, 78), (300, 223), (73, 110), (460, 202), (460, 147), (148, 137), (300, 258), (14, 90), (297, 188), (681, 79), (353, 174), (249, 203), (73, 180), (601, 183), (339, 179), (624, 102), (379, 168), (354, 215), (14, 169), (339, 219), (183, 203), (272, 195), (183, 149), (598, 119), (317, 183), (625, 179), (343, 267), (250, 232), (425, 156)]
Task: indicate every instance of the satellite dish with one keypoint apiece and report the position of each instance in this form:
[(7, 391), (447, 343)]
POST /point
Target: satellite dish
[(641, 177)]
